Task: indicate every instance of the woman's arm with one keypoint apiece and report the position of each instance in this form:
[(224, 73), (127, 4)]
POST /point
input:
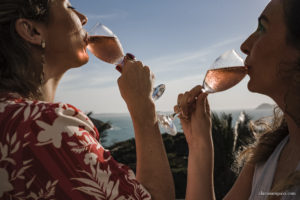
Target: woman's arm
[(241, 189), (197, 130), (200, 173), (153, 170)]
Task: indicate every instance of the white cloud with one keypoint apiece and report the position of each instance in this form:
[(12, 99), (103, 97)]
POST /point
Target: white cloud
[(98, 100), (117, 14), (201, 56)]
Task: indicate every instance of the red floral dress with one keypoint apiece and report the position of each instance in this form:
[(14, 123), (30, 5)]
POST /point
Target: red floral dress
[(51, 151)]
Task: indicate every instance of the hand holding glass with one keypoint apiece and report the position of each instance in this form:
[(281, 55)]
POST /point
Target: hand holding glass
[(227, 71), (105, 45)]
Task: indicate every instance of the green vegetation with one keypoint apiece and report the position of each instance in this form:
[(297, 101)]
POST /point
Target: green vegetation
[(229, 140)]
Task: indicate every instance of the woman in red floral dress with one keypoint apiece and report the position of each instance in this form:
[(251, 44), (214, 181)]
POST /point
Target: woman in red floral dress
[(51, 150)]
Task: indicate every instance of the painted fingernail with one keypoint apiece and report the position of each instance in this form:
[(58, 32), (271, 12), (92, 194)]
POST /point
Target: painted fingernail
[(119, 68), (130, 56)]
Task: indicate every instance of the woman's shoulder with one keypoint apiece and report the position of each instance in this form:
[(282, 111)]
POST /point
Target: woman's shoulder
[(57, 139), (24, 112)]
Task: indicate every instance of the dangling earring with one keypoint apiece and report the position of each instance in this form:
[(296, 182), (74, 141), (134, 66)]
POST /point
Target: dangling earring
[(43, 44)]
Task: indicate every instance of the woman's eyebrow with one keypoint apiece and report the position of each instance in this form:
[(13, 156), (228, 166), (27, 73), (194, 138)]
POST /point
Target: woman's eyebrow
[(263, 18)]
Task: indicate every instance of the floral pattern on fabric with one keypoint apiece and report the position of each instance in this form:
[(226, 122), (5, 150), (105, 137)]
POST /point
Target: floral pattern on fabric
[(51, 151)]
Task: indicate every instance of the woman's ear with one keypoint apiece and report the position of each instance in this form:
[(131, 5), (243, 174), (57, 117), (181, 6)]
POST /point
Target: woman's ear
[(30, 31)]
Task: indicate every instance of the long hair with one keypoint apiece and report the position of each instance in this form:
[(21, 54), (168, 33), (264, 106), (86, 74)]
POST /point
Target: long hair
[(278, 130), (267, 140), (18, 72)]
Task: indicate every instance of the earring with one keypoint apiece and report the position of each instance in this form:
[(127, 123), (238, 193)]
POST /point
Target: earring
[(43, 61), (43, 44)]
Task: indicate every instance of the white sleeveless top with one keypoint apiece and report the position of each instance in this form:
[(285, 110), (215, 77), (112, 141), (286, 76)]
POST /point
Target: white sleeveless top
[(264, 175)]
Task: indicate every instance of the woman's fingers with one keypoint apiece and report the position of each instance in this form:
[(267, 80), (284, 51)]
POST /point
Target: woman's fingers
[(207, 110), (176, 109), (131, 65), (202, 106), (196, 91), (186, 102), (179, 101), (136, 83), (147, 69)]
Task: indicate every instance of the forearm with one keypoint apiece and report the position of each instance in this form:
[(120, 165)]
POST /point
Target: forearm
[(200, 173), (153, 169)]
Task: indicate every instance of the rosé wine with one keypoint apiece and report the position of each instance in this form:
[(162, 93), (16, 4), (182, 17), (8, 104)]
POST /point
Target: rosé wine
[(221, 79), (106, 48)]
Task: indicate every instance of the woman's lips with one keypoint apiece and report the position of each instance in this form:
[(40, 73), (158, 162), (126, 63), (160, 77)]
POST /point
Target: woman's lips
[(86, 38), (248, 69), (246, 63)]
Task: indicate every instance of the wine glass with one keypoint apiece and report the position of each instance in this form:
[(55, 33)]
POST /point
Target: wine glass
[(105, 45), (225, 72)]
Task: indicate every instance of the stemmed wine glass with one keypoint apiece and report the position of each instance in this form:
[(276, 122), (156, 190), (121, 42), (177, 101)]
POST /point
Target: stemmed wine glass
[(105, 45), (225, 72)]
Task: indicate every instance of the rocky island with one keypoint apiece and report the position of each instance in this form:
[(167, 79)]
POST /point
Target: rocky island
[(265, 106)]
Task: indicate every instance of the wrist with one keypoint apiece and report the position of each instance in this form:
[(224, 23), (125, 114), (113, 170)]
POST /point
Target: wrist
[(200, 147), (143, 113)]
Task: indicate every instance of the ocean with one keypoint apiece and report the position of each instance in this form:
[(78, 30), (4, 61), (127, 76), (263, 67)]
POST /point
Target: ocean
[(122, 128)]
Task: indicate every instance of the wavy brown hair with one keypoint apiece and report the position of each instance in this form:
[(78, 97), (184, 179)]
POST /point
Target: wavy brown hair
[(278, 129), (18, 71)]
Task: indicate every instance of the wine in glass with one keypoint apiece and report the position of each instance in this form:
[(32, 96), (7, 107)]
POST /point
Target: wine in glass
[(226, 71), (105, 45)]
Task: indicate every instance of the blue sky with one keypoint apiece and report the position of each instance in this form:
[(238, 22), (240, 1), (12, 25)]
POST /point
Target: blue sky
[(178, 40)]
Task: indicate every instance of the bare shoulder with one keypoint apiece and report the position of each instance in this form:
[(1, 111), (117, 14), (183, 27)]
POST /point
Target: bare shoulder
[(242, 186)]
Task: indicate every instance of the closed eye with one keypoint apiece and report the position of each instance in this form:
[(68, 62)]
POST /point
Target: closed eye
[(262, 20), (261, 28), (71, 7)]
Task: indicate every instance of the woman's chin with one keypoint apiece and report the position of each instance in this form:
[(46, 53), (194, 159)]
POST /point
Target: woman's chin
[(250, 86), (257, 88), (83, 58)]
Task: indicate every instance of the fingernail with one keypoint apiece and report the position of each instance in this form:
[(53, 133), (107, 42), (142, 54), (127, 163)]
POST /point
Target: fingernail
[(130, 56), (118, 67)]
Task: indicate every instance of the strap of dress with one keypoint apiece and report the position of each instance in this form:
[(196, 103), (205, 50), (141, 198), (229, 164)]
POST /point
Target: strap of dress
[(264, 174)]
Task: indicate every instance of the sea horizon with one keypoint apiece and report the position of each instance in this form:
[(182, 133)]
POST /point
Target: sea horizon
[(170, 111), (122, 128)]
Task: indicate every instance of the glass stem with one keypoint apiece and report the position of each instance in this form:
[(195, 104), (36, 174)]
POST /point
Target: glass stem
[(173, 115)]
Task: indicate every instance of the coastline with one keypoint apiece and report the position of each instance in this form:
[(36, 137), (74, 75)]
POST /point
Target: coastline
[(122, 128)]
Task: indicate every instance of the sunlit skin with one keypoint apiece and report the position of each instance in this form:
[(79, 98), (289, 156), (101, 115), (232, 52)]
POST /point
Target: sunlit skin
[(65, 36), (66, 44)]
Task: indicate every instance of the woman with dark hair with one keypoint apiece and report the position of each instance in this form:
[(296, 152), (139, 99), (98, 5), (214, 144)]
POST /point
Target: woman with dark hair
[(50, 150), (271, 169)]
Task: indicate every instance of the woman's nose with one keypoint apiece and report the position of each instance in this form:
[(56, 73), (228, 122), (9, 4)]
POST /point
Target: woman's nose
[(247, 44), (82, 18), (244, 48)]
